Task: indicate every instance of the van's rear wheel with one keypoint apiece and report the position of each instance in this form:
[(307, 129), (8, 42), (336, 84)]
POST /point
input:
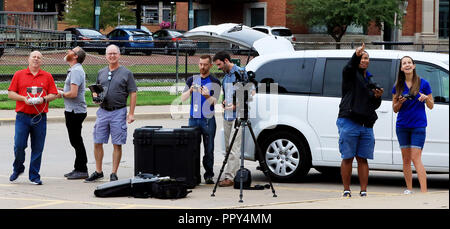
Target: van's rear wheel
[(286, 155)]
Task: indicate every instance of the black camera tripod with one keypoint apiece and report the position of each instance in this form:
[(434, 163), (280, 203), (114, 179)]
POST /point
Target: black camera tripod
[(242, 123)]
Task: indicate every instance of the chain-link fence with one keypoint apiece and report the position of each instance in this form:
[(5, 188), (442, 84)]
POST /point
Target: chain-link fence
[(157, 70)]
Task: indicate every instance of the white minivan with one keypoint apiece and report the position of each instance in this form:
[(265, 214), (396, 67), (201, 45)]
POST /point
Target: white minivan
[(297, 128)]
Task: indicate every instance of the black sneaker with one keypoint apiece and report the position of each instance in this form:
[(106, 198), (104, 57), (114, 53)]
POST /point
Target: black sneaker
[(77, 175), (209, 180), (36, 182), (94, 176), (113, 177), (69, 174), (347, 194)]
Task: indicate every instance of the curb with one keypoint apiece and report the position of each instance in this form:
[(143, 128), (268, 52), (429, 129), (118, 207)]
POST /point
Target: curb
[(92, 118)]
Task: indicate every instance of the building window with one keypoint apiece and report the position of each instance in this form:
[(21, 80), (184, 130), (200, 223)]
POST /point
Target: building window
[(255, 14), (153, 14), (151, 17), (166, 15), (443, 19)]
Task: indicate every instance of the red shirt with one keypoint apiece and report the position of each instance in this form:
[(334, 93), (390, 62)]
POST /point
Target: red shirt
[(23, 79)]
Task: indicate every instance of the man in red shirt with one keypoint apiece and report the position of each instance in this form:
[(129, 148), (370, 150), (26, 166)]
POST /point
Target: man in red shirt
[(32, 89)]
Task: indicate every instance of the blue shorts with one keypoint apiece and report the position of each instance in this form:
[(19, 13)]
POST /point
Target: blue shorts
[(354, 139), (112, 123), (411, 137)]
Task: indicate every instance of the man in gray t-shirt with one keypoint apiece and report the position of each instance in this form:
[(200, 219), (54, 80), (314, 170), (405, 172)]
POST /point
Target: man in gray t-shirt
[(75, 109), (112, 118), (76, 76), (117, 85)]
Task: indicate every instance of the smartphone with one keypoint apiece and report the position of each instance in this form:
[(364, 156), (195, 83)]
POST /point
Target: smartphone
[(197, 87)]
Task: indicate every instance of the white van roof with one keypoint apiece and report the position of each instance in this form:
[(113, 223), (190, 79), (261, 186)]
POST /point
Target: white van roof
[(436, 58)]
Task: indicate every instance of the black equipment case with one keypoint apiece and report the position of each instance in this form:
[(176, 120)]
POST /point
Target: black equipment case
[(144, 186), (168, 152)]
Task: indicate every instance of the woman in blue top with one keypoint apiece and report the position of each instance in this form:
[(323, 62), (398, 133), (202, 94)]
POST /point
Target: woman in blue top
[(409, 96)]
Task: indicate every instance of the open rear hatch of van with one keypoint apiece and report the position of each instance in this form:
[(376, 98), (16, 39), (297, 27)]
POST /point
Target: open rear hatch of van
[(243, 36)]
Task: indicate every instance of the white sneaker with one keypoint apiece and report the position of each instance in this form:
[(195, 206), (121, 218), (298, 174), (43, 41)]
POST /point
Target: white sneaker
[(408, 192)]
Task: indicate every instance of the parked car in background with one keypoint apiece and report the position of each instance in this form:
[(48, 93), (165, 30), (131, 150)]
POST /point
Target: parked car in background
[(166, 40), (276, 31), (131, 36), (133, 27), (85, 37)]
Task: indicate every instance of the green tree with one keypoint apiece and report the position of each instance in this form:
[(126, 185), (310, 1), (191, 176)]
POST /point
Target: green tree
[(81, 13), (337, 15)]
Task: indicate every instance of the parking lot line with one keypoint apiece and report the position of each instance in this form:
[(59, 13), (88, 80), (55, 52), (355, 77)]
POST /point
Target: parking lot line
[(307, 189), (6, 185), (130, 206), (50, 202), (279, 203), (331, 190), (44, 205), (43, 178)]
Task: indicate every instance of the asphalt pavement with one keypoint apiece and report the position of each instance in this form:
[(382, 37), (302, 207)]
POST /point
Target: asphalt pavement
[(316, 191)]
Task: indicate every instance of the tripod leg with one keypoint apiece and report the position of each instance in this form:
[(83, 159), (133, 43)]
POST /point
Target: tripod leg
[(241, 180), (227, 154), (260, 157)]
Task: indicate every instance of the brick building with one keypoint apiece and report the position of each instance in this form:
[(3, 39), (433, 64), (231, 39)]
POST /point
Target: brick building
[(424, 21), (33, 5)]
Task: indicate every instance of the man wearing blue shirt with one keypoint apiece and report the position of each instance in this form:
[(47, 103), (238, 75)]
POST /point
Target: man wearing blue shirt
[(222, 60), (204, 90)]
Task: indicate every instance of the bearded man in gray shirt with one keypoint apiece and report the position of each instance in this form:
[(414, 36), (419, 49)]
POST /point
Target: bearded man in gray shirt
[(112, 118), (75, 109)]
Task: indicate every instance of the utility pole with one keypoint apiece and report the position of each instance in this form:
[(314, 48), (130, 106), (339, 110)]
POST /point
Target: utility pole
[(138, 13), (190, 15), (97, 14)]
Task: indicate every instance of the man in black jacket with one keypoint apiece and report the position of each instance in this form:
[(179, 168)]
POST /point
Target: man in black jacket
[(360, 98)]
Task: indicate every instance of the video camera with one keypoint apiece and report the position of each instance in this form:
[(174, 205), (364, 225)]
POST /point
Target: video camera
[(373, 85), (98, 89), (245, 77), (242, 91)]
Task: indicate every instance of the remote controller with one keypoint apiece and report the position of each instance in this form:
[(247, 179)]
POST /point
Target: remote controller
[(34, 100)]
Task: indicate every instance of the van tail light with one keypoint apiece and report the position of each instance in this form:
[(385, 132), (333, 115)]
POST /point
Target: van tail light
[(176, 39), (294, 39)]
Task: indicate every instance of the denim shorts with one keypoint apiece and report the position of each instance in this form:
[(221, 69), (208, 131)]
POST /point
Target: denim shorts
[(411, 137), (355, 140), (112, 123)]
